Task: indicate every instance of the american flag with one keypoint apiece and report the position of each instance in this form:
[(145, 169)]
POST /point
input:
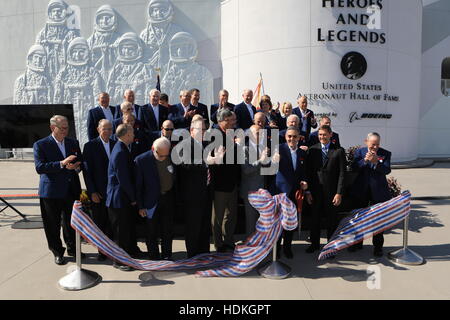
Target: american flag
[(367, 222)]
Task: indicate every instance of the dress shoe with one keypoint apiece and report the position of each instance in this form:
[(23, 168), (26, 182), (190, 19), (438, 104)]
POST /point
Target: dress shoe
[(378, 252), (60, 260), (74, 254), (311, 249), (101, 257), (229, 247), (169, 258), (287, 251), (155, 257), (122, 267), (221, 249)]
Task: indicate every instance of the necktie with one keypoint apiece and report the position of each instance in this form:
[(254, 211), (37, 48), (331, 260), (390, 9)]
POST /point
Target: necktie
[(324, 155)]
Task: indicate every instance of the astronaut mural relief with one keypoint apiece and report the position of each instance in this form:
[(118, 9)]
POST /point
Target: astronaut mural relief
[(63, 67)]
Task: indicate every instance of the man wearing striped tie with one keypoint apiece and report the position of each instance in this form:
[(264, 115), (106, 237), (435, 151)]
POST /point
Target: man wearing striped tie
[(370, 187), (325, 175)]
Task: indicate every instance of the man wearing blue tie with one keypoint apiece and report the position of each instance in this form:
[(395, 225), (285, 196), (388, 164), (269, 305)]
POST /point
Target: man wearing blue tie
[(120, 194), (57, 160), (96, 154), (102, 111), (325, 170), (291, 176), (370, 187)]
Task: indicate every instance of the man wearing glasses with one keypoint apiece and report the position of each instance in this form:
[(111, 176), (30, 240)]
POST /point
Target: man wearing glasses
[(155, 177), (57, 160)]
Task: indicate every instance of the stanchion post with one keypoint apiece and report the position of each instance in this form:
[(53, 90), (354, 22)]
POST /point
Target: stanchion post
[(80, 278), (275, 269), (405, 255)]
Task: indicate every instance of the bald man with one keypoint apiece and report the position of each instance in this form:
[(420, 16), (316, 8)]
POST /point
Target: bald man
[(245, 111)]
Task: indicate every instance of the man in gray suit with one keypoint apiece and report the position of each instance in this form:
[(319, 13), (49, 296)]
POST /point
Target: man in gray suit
[(256, 156)]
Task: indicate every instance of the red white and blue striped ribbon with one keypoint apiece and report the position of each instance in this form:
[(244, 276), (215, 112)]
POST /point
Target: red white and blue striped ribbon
[(367, 222), (277, 212)]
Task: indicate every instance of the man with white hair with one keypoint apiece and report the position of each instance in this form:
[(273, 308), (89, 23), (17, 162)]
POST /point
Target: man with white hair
[(155, 177), (370, 187), (153, 114), (182, 113), (245, 111), (294, 121), (96, 154), (57, 160)]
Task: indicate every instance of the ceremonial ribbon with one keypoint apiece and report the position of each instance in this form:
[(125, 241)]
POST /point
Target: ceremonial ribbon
[(367, 222), (276, 213)]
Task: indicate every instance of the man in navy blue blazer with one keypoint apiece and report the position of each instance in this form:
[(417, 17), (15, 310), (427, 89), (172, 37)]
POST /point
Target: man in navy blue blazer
[(120, 194), (57, 160), (202, 109), (155, 177), (96, 154), (291, 176), (371, 187), (153, 115), (245, 111), (314, 136), (126, 108), (181, 114), (102, 111), (223, 104), (307, 119), (129, 97)]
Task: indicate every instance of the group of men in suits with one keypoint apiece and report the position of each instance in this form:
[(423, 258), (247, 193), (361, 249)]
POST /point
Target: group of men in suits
[(124, 184)]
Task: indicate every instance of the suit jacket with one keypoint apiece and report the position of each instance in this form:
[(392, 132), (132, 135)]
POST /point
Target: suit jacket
[(117, 122), (119, 112), (56, 182), (372, 179), (142, 143), (326, 179), (244, 119), (96, 164), (147, 116), (287, 179), (282, 134), (308, 119), (202, 110), (314, 139), (121, 187), (147, 181), (176, 114), (95, 115), (215, 108)]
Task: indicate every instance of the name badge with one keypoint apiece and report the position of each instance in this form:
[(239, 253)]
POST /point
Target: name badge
[(170, 169)]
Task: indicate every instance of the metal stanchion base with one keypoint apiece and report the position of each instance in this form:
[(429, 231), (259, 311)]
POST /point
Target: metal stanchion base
[(29, 223), (405, 256), (275, 270), (79, 279)]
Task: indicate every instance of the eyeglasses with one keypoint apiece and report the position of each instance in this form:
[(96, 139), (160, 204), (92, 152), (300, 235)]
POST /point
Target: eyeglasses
[(169, 129), (162, 155)]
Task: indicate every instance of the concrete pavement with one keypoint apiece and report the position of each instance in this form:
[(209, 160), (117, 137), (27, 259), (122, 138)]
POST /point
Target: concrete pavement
[(27, 270)]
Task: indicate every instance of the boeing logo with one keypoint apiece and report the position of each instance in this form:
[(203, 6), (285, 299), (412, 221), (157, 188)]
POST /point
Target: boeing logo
[(355, 116)]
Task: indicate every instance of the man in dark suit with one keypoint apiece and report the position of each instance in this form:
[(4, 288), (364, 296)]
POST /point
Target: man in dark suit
[(226, 175), (57, 160), (153, 114), (194, 176), (155, 196), (223, 104), (314, 137), (291, 176), (102, 111), (325, 172), (181, 114), (128, 96), (120, 194), (294, 121), (245, 111), (96, 154), (370, 187), (141, 142), (126, 108), (307, 119), (202, 109)]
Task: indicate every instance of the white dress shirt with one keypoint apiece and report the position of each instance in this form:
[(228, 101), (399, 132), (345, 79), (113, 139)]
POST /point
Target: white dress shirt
[(61, 146), (108, 114), (107, 148), (250, 110), (294, 157)]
